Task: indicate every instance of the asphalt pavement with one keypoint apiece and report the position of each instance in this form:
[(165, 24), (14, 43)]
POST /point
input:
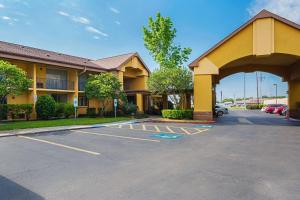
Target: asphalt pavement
[(245, 155)]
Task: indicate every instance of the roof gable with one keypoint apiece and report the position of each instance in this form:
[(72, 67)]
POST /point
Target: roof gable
[(263, 14), (116, 62)]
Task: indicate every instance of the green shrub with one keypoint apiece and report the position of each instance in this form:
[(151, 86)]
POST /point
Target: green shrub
[(254, 106), (59, 110), (3, 111), (129, 108), (91, 112), (20, 110), (69, 110), (177, 114), (45, 107)]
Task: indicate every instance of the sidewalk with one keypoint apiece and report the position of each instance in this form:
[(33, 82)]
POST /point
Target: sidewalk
[(61, 128)]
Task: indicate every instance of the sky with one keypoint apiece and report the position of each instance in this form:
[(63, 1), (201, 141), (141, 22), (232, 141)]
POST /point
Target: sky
[(97, 28)]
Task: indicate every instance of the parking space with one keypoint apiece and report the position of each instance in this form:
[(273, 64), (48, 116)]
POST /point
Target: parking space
[(99, 141), (230, 160), (162, 128)]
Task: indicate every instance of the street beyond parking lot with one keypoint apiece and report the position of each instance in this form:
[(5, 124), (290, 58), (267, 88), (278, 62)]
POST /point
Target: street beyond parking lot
[(246, 155)]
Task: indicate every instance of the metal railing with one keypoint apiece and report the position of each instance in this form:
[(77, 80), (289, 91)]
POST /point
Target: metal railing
[(57, 84)]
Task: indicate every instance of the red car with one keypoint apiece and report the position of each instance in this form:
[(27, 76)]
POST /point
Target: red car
[(271, 108), (279, 110)]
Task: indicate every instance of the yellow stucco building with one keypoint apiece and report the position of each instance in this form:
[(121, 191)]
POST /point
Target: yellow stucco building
[(64, 76), (267, 43)]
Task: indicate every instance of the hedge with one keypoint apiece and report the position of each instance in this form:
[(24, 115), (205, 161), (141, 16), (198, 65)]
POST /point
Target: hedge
[(254, 106), (15, 111), (177, 114), (64, 110)]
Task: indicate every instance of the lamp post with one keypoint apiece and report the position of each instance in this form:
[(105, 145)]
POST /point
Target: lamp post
[(276, 91)]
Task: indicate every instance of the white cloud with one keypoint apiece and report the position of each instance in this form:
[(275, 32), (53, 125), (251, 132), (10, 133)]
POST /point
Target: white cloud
[(114, 10), (64, 13), (117, 22), (6, 18), (289, 9), (94, 30), (1, 5), (96, 37), (81, 20)]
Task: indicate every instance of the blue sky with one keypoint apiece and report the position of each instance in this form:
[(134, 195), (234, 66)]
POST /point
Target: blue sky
[(96, 29)]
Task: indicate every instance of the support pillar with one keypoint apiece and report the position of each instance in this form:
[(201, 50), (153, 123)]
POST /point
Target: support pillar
[(34, 92), (203, 97), (139, 102), (294, 98)]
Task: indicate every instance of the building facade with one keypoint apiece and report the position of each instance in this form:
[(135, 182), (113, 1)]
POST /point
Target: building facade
[(63, 76)]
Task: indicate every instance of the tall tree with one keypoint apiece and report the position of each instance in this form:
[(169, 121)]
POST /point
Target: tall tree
[(103, 87), (172, 78), (159, 40), (13, 80)]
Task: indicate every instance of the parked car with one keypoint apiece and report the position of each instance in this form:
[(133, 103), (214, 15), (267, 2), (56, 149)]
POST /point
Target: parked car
[(285, 111), (279, 110), (220, 110), (270, 108)]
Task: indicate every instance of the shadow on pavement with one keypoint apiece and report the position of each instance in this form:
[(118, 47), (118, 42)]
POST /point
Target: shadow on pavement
[(12, 190)]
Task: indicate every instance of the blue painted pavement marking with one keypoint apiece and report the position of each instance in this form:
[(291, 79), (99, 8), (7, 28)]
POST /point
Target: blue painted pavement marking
[(204, 126), (167, 136)]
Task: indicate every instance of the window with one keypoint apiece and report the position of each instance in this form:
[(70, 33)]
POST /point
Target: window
[(83, 101), (60, 98), (56, 79), (82, 81)]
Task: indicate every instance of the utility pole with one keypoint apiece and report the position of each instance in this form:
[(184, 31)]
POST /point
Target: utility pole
[(244, 89), (276, 91), (221, 96), (257, 95)]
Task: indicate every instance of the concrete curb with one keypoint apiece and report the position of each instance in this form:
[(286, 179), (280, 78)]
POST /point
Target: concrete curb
[(179, 121), (60, 128)]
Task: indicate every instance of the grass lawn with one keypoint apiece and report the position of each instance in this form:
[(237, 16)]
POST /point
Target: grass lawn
[(57, 122)]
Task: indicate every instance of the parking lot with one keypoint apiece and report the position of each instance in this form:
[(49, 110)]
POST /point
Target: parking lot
[(241, 157)]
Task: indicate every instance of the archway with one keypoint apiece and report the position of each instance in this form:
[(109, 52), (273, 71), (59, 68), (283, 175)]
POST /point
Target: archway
[(267, 43)]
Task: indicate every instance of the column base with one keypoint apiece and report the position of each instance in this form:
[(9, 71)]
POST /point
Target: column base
[(203, 116)]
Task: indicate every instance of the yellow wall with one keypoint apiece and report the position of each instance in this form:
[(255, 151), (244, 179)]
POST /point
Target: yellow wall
[(238, 46), (203, 93), (294, 93), (263, 36), (286, 39)]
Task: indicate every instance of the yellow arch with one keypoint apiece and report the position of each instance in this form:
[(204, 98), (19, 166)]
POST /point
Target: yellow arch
[(267, 42)]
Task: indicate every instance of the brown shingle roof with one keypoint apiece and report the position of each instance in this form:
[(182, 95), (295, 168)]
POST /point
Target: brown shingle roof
[(116, 62), (44, 55), (261, 15)]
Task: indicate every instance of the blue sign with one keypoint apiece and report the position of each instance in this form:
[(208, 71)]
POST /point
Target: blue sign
[(167, 136)]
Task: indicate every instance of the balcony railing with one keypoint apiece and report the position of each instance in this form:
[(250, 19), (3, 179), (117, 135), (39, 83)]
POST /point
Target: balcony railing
[(57, 84)]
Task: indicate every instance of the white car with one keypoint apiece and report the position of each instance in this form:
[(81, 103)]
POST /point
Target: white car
[(220, 110)]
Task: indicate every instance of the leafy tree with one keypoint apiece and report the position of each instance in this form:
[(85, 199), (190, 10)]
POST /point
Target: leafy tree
[(103, 87), (13, 80), (159, 40), (172, 78), (228, 100), (172, 81)]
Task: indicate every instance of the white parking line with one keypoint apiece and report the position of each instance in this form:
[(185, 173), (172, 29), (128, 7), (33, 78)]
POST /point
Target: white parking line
[(117, 136), (61, 145), (185, 131), (199, 131), (170, 130)]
